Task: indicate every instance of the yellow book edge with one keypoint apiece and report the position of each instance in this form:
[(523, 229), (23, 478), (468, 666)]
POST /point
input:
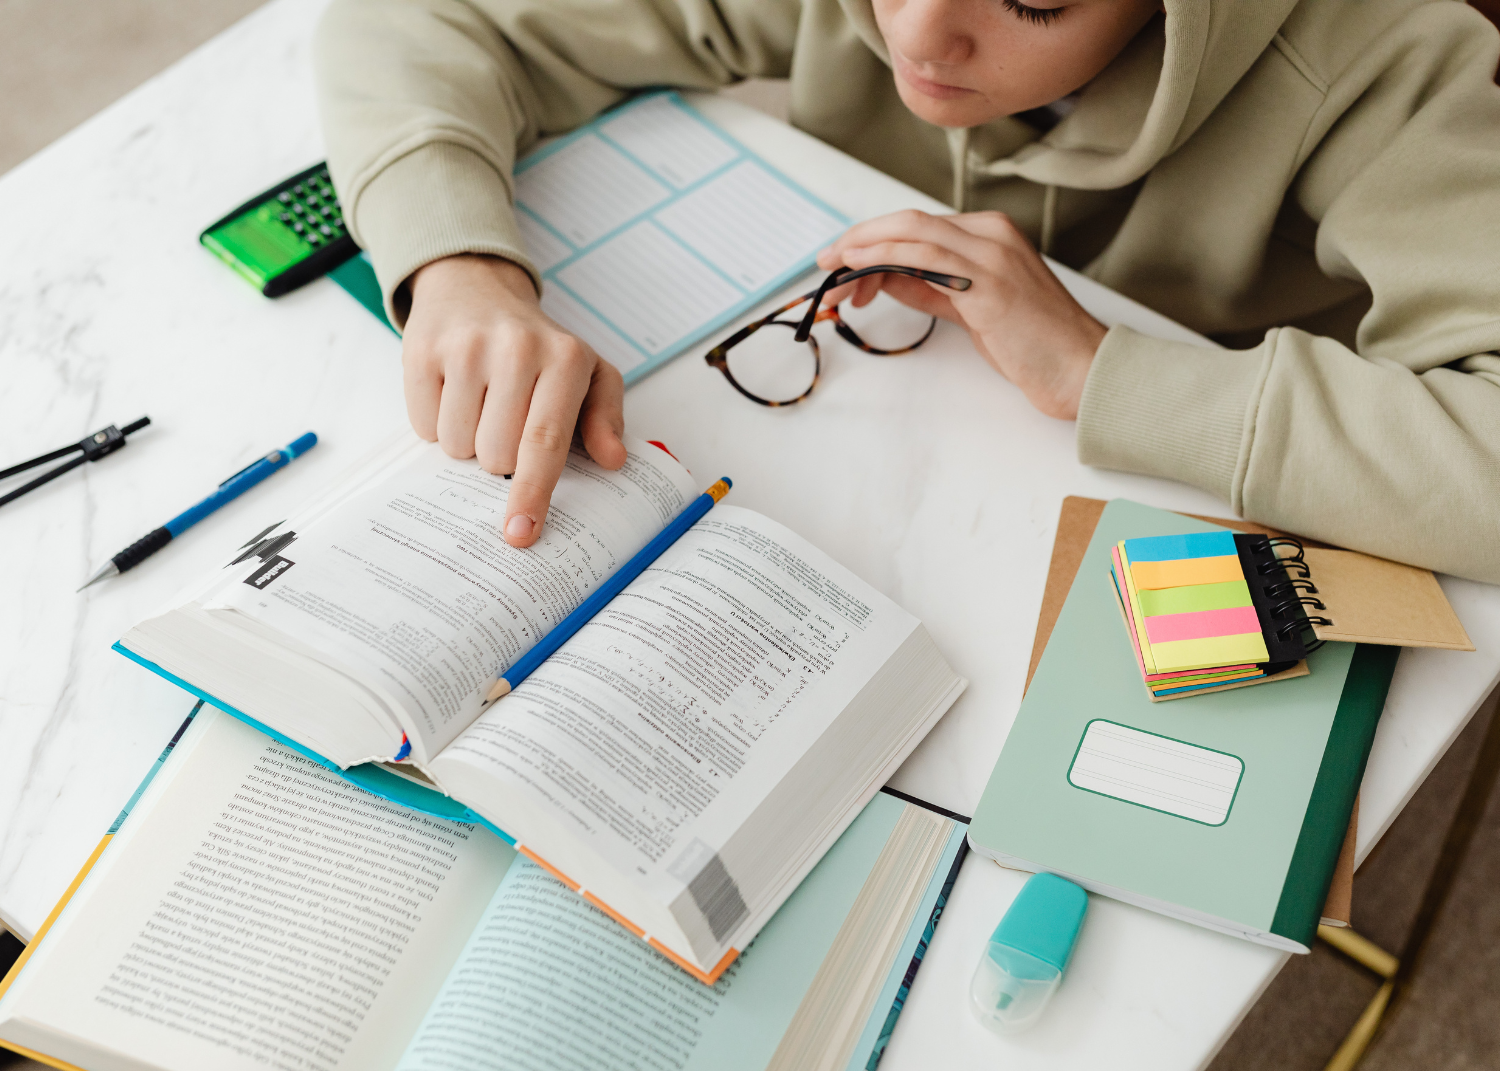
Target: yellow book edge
[(31, 947)]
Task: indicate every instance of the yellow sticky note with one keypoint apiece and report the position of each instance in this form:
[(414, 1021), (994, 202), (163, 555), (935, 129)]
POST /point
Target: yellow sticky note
[(1213, 651)]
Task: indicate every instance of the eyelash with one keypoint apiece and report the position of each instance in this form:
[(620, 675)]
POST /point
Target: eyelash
[(1040, 16)]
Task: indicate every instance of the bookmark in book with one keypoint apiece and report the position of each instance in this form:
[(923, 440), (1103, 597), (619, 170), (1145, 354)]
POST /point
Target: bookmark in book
[(590, 606)]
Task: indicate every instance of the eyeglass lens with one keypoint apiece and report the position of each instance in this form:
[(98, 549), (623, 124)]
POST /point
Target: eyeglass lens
[(773, 366), (886, 324)]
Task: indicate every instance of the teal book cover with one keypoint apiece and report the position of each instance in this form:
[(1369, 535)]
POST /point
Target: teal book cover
[(1227, 809)]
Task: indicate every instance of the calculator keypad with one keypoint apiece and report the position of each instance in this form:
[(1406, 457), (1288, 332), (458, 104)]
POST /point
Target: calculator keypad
[(311, 209)]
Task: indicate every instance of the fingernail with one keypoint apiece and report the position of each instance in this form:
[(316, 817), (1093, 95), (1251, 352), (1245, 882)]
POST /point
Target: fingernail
[(519, 526)]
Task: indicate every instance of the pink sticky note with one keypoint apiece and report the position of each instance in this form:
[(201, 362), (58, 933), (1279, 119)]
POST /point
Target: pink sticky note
[(1202, 624)]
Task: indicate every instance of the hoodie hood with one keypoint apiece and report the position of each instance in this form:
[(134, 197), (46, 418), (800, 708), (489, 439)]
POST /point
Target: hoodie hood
[(1141, 107)]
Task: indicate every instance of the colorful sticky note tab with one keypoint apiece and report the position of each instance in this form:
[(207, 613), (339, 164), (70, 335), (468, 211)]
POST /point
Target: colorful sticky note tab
[(1212, 651), (1171, 548), (1200, 687), (1186, 600), (1185, 571), (1202, 625)]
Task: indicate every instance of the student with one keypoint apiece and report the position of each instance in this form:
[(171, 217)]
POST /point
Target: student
[(1314, 183)]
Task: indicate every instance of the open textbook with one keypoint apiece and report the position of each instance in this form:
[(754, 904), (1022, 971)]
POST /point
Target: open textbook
[(682, 761), (254, 912)]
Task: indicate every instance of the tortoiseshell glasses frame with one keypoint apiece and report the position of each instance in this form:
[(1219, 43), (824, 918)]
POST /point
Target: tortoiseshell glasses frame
[(718, 357)]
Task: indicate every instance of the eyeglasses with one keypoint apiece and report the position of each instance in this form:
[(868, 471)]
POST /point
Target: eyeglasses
[(773, 368)]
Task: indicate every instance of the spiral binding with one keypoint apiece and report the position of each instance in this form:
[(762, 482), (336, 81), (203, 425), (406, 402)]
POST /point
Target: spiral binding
[(1297, 592), (1291, 561), (1291, 587)]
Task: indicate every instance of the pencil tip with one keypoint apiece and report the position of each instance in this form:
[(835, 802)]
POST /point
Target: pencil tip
[(106, 570), (498, 690)]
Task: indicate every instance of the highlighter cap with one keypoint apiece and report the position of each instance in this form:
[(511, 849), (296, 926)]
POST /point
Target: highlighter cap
[(1044, 919), (1023, 962)]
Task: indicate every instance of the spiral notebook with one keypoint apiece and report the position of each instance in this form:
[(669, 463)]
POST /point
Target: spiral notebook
[(1212, 610)]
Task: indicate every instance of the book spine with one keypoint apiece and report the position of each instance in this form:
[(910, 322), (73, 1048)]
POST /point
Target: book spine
[(1331, 802)]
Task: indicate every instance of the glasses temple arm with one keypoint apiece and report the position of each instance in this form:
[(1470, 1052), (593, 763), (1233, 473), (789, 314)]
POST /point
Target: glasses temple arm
[(843, 275)]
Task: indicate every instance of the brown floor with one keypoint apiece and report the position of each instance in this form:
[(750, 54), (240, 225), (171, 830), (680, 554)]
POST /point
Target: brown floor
[(63, 60)]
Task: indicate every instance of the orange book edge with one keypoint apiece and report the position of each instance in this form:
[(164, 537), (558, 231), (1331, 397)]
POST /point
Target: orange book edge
[(706, 977)]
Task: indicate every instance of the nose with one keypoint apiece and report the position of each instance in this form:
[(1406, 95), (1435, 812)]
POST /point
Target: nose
[(930, 31)]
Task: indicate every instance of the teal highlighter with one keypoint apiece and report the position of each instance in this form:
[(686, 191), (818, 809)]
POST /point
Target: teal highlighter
[(1023, 962)]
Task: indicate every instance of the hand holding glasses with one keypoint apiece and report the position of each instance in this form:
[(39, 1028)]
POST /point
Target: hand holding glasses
[(774, 368)]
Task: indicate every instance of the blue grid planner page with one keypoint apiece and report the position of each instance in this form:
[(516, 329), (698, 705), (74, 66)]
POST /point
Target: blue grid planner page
[(653, 228)]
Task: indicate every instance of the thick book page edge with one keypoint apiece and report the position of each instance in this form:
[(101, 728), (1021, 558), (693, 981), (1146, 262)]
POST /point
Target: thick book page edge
[(919, 733), (891, 999), (369, 776), (848, 993), (1076, 521), (1309, 875)]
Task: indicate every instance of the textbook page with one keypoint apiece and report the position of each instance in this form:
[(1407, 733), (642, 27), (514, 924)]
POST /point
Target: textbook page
[(539, 985), (652, 227), (255, 913), (654, 732), (410, 588)]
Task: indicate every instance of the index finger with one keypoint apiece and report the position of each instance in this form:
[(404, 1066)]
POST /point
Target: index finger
[(543, 452)]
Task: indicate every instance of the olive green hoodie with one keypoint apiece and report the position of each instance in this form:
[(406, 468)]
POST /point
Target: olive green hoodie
[(1314, 182)]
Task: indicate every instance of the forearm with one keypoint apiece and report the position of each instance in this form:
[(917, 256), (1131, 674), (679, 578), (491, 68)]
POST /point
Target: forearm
[(427, 103), (1304, 435)]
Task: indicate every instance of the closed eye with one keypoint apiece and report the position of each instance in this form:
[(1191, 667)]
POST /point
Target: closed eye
[(1041, 16)]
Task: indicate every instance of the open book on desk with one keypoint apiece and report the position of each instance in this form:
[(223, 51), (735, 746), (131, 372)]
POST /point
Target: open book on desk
[(254, 911), (682, 761)]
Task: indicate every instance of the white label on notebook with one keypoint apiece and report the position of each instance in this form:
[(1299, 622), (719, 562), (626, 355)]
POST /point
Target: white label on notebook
[(1157, 772)]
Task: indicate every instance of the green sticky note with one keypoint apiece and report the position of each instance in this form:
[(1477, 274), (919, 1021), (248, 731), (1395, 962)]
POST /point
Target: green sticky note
[(1187, 600)]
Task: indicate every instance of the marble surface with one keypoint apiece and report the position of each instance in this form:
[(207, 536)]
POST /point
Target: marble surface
[(927, 475)]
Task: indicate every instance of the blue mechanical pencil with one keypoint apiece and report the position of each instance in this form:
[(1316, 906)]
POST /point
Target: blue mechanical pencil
[(227, 492)]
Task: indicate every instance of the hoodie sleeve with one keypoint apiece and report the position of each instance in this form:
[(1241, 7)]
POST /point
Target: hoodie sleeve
[(427, 103), (1392, 448)]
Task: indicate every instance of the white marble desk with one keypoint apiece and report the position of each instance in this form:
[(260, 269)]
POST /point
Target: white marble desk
[(928, 475)]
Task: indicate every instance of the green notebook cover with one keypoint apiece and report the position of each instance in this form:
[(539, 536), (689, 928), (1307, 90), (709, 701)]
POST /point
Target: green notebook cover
[(1227, 809)]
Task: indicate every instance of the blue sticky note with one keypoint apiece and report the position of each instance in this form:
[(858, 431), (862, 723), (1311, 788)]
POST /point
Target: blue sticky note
[(1173, 548)]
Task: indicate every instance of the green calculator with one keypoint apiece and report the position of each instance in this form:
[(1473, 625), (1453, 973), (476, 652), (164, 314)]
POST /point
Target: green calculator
[(286, 237)]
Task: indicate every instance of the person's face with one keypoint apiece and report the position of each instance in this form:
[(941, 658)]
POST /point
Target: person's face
[(961, 63)]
